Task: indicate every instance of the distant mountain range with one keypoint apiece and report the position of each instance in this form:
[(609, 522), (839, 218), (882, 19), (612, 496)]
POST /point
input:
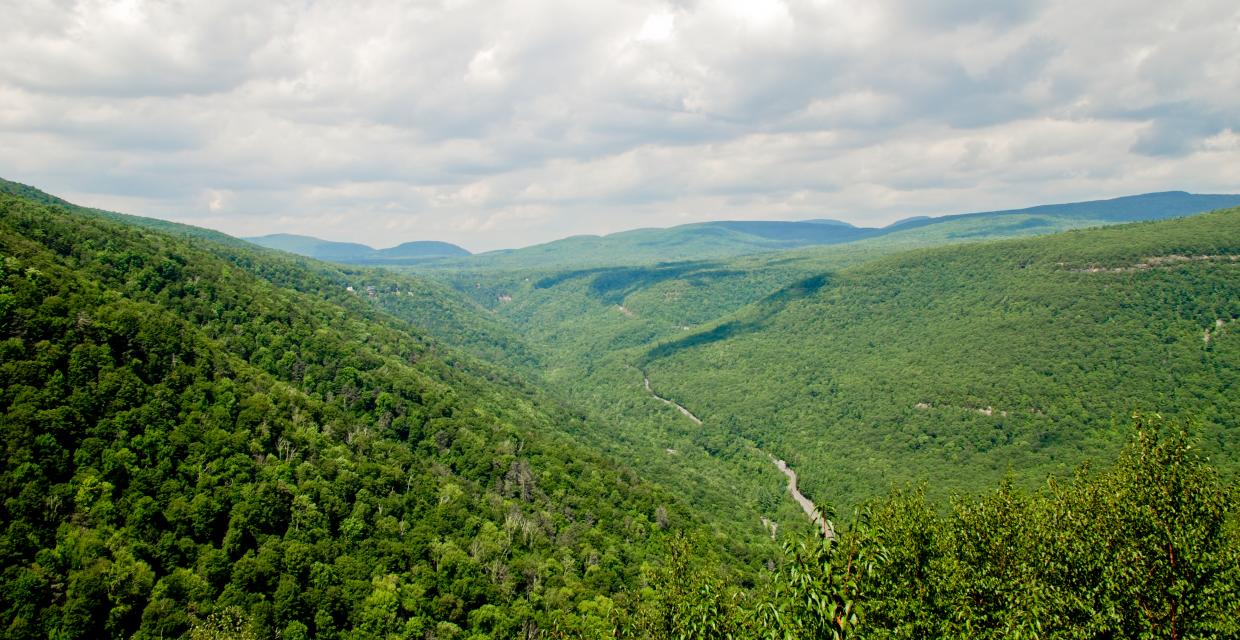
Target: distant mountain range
[(723, 239), (726, 239), (352, 252)]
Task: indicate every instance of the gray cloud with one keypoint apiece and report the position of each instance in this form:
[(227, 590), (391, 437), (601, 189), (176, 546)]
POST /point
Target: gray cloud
[(500, 124)]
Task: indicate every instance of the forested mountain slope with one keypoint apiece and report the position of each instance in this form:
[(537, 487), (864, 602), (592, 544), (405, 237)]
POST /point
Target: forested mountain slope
[(200, 434), (1086, 556), (35, 195), (959, 365), (428, 305), (598, 327), (670, 294)]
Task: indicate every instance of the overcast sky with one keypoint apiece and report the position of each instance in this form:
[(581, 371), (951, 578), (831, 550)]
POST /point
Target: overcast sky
[(500, 124)]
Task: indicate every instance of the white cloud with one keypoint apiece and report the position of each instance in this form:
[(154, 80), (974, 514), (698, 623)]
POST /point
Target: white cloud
[(658, 27), (500, 124)]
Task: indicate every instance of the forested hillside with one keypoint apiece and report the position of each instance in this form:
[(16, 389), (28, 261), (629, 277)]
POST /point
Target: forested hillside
[(958, 366), (954, 369), (199, 435)]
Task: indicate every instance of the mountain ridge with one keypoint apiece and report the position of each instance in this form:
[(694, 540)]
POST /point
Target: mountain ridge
[(356, 252), (712, 239), (733, 238)]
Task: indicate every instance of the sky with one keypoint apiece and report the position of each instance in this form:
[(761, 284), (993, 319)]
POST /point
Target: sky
[(503, 124)]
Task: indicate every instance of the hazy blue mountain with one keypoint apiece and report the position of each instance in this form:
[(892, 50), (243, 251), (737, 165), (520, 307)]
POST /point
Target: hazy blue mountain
[(312, 247), (839, 223), (798, 233), (356, 253), (728, 239), (1147, 206), (421, 249)]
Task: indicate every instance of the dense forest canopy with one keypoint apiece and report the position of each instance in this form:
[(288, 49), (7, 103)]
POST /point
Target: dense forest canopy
[(1020, 356), (188, 432), (207, 439)]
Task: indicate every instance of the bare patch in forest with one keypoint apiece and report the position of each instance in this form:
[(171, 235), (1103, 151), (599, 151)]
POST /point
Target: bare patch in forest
[(1154, 262)]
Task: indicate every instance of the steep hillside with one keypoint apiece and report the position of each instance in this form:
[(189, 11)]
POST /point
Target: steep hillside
[(953, 322), (199, 435), (35, 195), (959, 365)]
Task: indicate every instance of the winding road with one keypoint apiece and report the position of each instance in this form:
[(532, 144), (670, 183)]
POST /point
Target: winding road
[(688, 414), (807, 505)]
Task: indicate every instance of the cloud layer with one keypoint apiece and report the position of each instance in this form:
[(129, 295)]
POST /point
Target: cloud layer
[(502, 124)]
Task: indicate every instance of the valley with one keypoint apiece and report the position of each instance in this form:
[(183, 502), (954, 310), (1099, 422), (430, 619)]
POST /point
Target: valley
[(811, 511), (201, 433), (620, 320)]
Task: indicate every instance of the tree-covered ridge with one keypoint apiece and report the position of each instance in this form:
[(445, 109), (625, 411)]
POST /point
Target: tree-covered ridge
[(957, 365), (35, 195), (199, 434)]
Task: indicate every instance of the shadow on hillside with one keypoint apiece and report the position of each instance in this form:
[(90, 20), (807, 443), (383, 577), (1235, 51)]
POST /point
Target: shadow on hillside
[(760, 315), (613, 284), (1004, 230)]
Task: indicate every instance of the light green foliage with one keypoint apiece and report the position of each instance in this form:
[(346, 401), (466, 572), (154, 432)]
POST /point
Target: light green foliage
[(1014, 356), (868, 369), (1145, 549), (227, 624)]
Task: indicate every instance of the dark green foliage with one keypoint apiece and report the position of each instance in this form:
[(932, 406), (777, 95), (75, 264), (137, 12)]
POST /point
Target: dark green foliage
[(830, 371), (1146, 549), (207, 439)]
